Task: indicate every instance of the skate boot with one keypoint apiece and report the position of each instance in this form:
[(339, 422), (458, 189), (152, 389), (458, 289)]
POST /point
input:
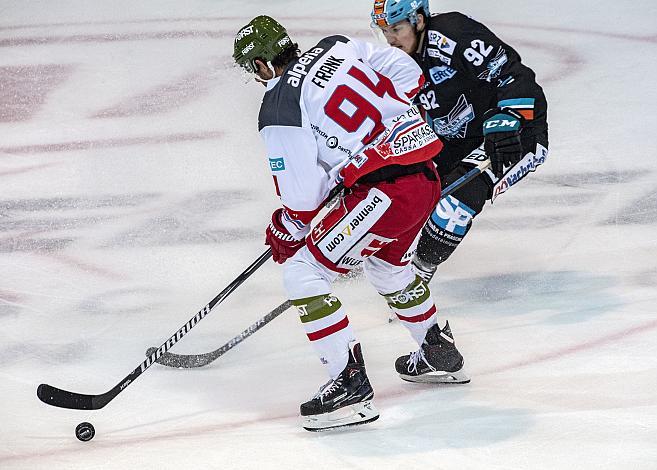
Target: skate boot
[(345, 401), (424, 269), (437, 361)]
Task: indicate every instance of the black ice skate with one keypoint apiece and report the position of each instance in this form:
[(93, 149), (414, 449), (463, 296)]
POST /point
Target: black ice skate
[(437, 361), (423, 269), (345, 401)]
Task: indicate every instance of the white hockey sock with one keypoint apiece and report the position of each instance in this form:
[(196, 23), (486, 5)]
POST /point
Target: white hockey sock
[(327, 327)]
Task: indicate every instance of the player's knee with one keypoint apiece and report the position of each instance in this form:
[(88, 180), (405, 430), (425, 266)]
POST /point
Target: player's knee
[(449, 223), (451, 216), (304, 277), (474, 194), (386, 277)]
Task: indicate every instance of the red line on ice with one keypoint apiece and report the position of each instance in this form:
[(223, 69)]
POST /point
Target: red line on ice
[(27, 169), (9, 296), (568, 61), (84, 266), (147, 438), (21, 41), (219, 33), (591, 344)]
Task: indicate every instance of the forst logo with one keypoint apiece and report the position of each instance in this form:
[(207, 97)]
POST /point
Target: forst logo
[(284, 41), (243, 33), (415, 293), (250, 46)]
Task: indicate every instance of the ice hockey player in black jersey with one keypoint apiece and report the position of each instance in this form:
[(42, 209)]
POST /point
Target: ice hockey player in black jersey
[(481, 100)]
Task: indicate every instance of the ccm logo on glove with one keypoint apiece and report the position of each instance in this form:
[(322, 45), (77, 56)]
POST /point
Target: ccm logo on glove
[(502, 143), (500, 123)]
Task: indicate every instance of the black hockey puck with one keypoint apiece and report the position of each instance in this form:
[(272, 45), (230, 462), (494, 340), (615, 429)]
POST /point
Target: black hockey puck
[(85, 431)]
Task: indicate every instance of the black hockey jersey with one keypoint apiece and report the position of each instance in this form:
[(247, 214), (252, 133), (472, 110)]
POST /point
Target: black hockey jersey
[(470, 70)]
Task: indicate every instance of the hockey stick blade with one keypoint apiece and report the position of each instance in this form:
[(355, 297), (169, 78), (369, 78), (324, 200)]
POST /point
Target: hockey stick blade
[(64, 399), (79, 401), (191, 361)]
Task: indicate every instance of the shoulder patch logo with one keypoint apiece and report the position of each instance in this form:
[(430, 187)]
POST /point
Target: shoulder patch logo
[(277, 164), (455, 123), (441, 73), (442, 42), (494, 67), (437, 55)]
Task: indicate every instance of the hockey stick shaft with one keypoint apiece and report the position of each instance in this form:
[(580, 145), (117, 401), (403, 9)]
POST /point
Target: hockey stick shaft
[(64, 399), (187, 361), (469, 176)]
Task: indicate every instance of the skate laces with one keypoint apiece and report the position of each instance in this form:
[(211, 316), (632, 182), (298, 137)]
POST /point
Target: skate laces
[(414, 359), (328, 388)]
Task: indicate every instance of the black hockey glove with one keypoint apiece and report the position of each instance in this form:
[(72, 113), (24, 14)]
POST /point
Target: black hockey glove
[(502, 138)]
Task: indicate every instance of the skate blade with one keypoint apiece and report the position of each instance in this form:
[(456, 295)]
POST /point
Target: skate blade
[(352, 415), (438, 377)]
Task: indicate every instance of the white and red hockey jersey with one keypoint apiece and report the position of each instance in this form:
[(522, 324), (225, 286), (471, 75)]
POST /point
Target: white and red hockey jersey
[(338, 112)]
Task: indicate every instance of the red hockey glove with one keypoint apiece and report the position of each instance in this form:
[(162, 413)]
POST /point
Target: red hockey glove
[(283, 245), (502, 138)]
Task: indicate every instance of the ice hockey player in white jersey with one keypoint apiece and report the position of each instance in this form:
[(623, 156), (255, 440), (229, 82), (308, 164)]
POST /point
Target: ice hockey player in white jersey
[(341, 113)]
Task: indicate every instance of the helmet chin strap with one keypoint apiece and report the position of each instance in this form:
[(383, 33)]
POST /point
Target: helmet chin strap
[(420, 41), (420, 33)]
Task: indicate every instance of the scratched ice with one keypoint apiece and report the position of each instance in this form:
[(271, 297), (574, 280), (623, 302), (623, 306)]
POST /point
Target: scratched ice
[(133, 188)]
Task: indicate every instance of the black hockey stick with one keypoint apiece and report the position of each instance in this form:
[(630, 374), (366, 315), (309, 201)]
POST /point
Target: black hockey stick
[(189, 361), (78, 401)]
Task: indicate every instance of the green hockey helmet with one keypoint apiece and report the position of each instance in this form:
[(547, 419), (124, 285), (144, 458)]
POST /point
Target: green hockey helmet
[(263, 38)]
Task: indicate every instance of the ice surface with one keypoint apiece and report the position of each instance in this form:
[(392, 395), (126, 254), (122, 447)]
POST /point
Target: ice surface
[(133, 189)]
